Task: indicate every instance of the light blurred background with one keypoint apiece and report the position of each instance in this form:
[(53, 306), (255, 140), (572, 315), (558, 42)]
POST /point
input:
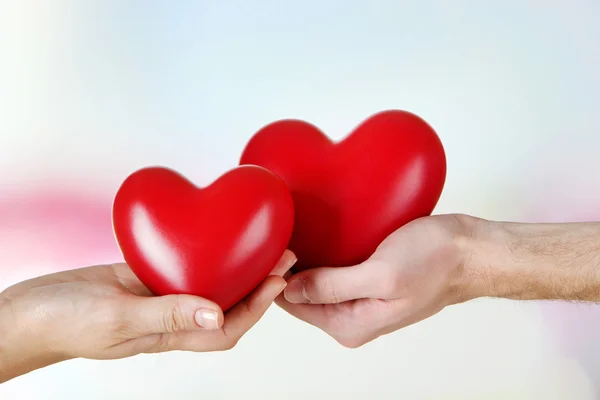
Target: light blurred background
[(92, 90)]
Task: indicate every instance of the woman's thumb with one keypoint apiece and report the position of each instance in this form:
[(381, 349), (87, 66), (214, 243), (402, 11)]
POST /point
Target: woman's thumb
[(173, 313)]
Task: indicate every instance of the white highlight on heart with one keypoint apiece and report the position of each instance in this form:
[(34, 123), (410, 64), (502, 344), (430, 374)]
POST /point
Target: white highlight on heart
[(156, 249), (256, 232)]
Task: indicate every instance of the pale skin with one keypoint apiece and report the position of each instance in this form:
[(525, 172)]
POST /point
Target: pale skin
[(105, 312), (425, 266)]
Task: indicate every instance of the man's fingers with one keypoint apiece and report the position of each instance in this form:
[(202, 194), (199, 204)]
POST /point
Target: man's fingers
[(315, 314), (172, 314), (339, 284), (351, 324)]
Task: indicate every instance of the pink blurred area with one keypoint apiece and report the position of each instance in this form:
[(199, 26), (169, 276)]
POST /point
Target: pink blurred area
[(47, 230)]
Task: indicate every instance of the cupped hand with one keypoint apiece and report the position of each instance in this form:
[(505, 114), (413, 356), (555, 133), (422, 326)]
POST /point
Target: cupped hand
[(105, 312), (416, 272)]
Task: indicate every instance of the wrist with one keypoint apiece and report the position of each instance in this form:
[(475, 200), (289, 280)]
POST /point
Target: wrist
[(20, 353), (484, 252), (468, 243)]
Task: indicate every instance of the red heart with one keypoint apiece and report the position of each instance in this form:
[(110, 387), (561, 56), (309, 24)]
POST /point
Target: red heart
[(217, 242), (349, 196)]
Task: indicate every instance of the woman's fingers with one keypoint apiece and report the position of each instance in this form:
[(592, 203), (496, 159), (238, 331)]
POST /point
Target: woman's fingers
[(286, 262), (248, 312), (239, 320)]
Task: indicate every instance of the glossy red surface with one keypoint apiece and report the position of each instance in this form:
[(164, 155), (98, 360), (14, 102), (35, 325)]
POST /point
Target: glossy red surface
[(217, 242), (351, 195)]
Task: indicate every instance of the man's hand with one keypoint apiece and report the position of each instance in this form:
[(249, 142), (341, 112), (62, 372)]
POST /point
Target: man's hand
[(415, 272), (438, 261)]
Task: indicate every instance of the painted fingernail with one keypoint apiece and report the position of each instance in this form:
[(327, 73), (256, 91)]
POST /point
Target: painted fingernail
[(295, 292), (207, 319)]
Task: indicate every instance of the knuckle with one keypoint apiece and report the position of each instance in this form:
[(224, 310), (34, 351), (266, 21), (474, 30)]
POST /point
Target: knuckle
[(327, 290), (174, 319), (323, 290)]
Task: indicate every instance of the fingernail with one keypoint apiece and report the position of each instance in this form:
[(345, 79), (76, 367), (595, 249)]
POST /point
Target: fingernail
[(207, 319), (295, 293), (293, 262)]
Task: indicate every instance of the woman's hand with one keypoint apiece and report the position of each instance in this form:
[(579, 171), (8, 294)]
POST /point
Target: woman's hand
[(105, 312)]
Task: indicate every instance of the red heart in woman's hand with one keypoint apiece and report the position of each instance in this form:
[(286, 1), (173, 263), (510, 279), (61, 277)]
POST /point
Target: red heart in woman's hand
[(349, 196), (217, 242)]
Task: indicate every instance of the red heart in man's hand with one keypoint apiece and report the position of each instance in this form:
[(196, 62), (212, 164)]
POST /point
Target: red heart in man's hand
[(217, 242), (349, 196)]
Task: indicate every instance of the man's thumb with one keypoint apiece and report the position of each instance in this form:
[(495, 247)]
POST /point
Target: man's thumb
[(331, 285), (174, 313)]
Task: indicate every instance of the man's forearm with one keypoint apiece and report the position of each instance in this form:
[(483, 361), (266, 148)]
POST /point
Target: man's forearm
[(534, 261)]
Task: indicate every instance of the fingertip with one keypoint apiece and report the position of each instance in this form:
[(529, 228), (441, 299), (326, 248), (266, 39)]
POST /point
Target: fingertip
[(291, 256), (285, 263), (209, 319), (295, 292), (208, 314)]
